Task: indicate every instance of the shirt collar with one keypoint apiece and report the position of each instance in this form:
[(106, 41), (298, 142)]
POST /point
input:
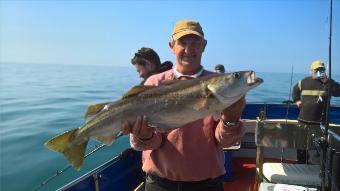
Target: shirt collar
[(179, 75)]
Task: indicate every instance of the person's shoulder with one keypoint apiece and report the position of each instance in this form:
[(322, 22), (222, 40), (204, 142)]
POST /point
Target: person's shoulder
[(333, 81), (308, 78), (157, 78), (163, 75)]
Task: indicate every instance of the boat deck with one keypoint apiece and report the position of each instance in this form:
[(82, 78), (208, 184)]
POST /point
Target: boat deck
[(244, 170)]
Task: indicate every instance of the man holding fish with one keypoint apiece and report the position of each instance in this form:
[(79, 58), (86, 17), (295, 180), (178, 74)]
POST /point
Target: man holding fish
[(190, 157), (181, 119)]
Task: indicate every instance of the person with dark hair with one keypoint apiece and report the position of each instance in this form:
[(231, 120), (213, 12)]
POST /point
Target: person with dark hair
[(310, 96), (147, 63), (189, 158), (219, 68)]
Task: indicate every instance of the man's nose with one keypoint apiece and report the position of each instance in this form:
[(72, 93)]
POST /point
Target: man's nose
[(189, 48)]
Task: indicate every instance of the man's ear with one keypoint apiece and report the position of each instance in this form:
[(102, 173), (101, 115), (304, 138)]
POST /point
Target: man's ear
[(171, 45), (205, 44)]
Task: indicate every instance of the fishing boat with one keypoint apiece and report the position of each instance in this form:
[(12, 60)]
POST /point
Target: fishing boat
[(243, 162), (264, 160)]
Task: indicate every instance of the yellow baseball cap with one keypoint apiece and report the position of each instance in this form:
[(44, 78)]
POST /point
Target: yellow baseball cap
[(185, 27), (317, 64)]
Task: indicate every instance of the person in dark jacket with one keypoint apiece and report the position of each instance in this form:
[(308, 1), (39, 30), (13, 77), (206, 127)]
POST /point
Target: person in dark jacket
[(310, 96), (147, 63)]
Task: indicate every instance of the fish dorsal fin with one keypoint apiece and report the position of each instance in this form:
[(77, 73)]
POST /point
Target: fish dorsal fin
[(169, 82), (93, 110), (136, 90)]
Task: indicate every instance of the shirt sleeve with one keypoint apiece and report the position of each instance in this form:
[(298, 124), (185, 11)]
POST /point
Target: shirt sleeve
[(229, 135), (335, 89), (297, 92)]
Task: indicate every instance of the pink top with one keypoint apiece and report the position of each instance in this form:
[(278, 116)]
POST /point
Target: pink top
[(191, 153)]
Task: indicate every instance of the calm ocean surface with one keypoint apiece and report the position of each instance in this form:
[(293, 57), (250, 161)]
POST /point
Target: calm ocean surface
[(39, 101)]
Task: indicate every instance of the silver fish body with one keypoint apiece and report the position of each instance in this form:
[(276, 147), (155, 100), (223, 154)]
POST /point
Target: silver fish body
[(166, 107)]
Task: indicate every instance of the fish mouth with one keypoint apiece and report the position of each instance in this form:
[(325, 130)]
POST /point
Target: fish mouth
[(253, 80)]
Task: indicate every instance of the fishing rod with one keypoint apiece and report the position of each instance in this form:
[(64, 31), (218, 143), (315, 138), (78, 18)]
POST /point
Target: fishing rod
[(329, 72), (63, 170), (289, 101), (325, 141)]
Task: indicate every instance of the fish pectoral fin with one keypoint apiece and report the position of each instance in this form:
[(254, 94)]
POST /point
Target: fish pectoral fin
[(203, 102), (220, 98), (107, 139), (63, 143), (93, 110)]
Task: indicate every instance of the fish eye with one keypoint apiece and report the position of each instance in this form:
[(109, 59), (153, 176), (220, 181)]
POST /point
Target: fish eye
[(236, 75)]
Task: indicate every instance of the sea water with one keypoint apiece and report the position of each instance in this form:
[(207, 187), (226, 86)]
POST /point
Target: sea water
[(39, 101)]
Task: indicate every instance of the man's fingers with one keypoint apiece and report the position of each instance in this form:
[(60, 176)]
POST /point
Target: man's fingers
[(233, 112), (144, 121), (238, 105), (242, 102), (137, 127), (126, 129)]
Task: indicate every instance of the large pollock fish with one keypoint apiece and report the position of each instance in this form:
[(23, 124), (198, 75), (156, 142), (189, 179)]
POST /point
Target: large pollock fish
[(167, 107)]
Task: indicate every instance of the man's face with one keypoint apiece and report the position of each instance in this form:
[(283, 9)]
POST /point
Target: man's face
[(188, 51), (313, 74), (145, 69), (321, 72)]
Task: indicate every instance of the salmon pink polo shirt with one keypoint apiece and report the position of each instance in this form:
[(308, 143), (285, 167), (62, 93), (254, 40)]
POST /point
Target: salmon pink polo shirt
[(193, 152)]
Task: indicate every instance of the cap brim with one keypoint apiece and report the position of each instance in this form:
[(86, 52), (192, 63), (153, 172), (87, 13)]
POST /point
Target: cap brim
[(316, 68), (184, 33)]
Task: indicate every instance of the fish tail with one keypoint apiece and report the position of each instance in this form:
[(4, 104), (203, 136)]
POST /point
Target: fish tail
[(73, 152)]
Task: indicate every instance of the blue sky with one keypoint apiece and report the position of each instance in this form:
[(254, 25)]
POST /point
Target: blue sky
[(265, 36)]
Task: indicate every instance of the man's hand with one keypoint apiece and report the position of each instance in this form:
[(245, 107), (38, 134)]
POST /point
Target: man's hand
[(233, 112), (139, 129), (298, 103)]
